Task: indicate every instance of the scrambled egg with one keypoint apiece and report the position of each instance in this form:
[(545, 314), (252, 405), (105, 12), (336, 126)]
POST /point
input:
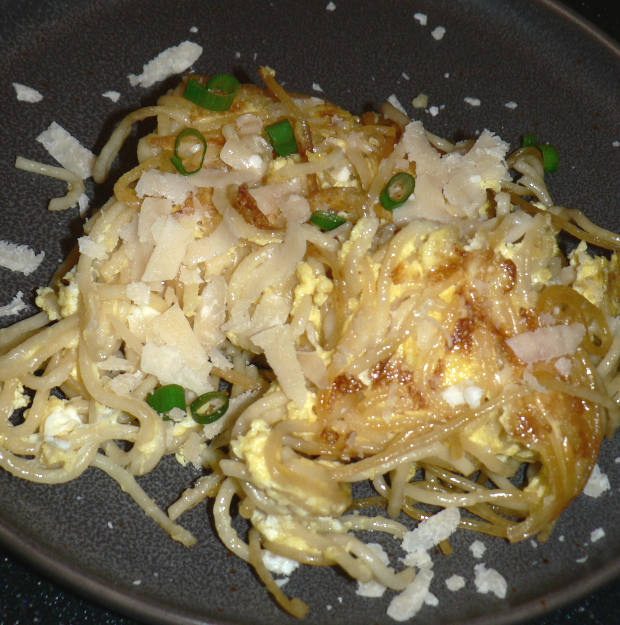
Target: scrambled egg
[(597, 278)]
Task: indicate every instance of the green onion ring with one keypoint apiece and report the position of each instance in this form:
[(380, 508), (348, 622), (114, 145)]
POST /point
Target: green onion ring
[(217, 95), (176, 159), (397, 191), (206, 398)]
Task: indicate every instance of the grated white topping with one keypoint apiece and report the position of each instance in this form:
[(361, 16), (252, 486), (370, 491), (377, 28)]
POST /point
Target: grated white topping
[(395, 102), (597, 534), (472, 101), (597, 483), (489, 580), (112, 95), (511, 105), (430, 533), (477, 549), (330, 6), (173, 60), (438, 33), (421, 18), (14, 307), (19, 257), (27, 94), (407, 604), (67, 150), (455, 582), (279, 564)]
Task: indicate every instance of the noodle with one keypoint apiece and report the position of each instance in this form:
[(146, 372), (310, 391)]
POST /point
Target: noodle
[(444, 351)]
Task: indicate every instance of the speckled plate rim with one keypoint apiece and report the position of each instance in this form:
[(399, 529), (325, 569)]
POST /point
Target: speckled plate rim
[(101, 592)]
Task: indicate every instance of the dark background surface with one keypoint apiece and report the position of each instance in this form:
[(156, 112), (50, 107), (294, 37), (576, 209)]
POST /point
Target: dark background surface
[(27, 597)]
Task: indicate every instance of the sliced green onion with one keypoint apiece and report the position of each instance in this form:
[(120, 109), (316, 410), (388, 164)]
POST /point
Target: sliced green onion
[(209, 407), (550, 157), (217, 95), (548, 152), (397, 191), (326, 220), (165, 398), (282, 137), (176, 159)]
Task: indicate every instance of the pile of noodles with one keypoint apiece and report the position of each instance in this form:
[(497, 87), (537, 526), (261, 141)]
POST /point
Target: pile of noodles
[(333, 346)]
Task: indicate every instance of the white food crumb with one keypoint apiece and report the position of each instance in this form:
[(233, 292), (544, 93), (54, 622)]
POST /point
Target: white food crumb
[(328, 607), (597, 534), (597, 484), (616, 144), (420, 101), (405, 75), (421, 18), (511, 105), (316, 86), (434, 111), (373, 588), (561, 538), (110, 525), (438, 33), (431, 599), (472, 101), (237, 55), (407, 604), (19, 257), (581, 560), (283, 580), (173, 60), (489, 580), (67, 150), (193, 29), (446, 75), (617, 460), (279, 564), (14, 307), (91, 248), (477, 549), (83, 203), (534, 544), (455, 582), (112, 95), (563, 366), (330, 6), (428, 534), (26, 94), (137, 582), (393, 100)]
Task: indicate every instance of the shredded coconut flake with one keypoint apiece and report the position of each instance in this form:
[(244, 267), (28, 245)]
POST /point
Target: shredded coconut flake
[(27, 94), (489, 580), (597, 483), (19, 257), (173, 60), (67, 150)]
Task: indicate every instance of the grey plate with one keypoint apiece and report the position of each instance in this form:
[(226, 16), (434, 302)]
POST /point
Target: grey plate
[(563, 77)]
